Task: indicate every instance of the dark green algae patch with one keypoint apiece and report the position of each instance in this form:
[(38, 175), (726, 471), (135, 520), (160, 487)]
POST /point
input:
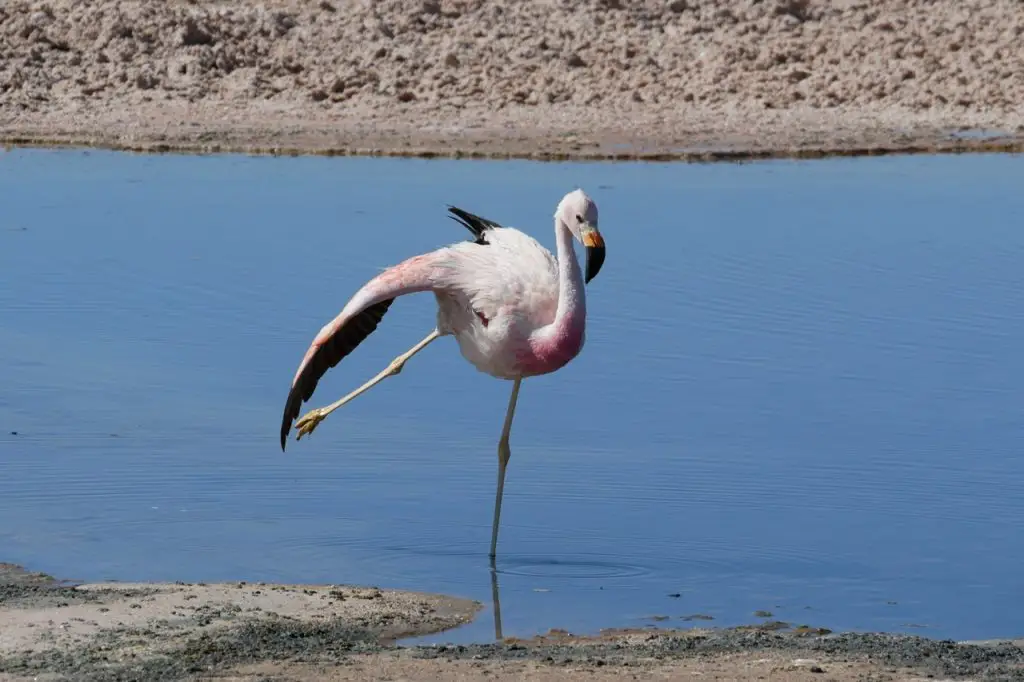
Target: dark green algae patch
[(20, 588), (108, 657), (940, 658), (334, 642)]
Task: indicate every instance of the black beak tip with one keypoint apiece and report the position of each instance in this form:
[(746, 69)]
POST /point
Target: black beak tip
[(595, 259)]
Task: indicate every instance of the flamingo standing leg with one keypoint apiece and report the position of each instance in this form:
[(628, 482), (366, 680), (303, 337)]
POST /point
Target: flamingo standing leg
[(503, 456), (312, 419)]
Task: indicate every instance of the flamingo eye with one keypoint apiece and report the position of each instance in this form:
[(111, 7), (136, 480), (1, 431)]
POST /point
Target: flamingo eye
[(579, 218)]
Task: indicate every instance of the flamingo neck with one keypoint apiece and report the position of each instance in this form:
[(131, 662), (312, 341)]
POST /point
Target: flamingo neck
[(572, 303), (554, 345)]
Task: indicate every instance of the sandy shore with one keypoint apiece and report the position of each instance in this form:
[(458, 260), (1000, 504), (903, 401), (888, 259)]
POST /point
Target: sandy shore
[(256, 632), (702, 79)]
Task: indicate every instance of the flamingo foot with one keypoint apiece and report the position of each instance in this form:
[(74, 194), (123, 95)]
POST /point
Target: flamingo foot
[(308, 422)]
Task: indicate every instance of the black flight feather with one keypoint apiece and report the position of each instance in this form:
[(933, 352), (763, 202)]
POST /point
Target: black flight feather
[(343, 342), (474, 223)]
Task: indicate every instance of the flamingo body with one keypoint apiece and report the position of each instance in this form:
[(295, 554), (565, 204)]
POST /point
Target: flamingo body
[(494, 311)]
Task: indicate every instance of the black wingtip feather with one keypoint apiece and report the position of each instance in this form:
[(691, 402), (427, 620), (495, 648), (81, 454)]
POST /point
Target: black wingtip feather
[(474, 223), (327, 356)]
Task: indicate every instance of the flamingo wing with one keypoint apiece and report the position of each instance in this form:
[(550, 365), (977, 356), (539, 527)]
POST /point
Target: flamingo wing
[(328, 354), (360, 317)]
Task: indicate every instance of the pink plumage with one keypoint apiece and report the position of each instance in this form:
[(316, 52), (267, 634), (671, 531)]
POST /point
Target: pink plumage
[(514, 309)]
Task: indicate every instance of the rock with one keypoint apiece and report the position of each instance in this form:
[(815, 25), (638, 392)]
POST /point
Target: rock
[(193, 34), (146, 81), (797, 75)]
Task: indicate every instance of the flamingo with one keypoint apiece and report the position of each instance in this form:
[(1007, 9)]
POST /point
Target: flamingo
[(515, 310)]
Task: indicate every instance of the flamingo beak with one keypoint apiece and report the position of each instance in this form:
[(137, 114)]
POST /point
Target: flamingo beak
[(594, 243)]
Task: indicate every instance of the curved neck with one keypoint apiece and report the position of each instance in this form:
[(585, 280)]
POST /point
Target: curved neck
[(572, 303)]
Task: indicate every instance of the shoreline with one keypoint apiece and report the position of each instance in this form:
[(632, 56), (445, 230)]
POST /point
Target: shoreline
[(247, 632), (689, 139), (1013, 146)]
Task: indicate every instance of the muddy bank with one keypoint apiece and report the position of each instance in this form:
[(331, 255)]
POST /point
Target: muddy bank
[(697, 79), (803, 135), (250, 632), (122, 631)]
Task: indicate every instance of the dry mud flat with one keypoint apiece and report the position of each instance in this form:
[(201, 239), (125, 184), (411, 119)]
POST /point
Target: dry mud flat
[(527, 78), (259, 632)]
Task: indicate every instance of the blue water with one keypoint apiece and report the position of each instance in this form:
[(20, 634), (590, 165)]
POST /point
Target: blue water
[(802, 389)]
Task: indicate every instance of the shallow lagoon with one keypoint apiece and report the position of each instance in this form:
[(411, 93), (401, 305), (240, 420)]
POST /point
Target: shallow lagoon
[(801, 390)]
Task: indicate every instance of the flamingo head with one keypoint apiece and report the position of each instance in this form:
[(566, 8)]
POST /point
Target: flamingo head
[(578, 212)]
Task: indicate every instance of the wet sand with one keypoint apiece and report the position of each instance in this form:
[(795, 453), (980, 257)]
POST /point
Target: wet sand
[(254, 631), (584, 79)]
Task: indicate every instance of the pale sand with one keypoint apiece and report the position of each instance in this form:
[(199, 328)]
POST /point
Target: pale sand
[(180, 610), (530, 78)]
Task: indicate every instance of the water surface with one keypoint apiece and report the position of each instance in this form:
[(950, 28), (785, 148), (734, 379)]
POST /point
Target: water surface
[(801, 390)]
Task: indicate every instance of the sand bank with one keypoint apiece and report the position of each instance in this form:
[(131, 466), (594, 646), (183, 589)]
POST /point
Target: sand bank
[(701, 79), (255, 631)]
